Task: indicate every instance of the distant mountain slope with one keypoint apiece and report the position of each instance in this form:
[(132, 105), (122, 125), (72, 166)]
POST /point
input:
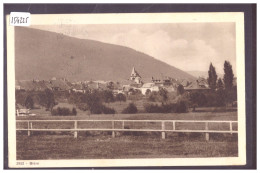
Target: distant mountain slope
[(203, 74), (43, 55)]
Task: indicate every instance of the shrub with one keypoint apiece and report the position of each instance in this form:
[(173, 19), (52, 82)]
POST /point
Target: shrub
[(164, 108), (96, 108), (29, 104), (130, 109), (168, 108), (180, 89), (63, 111), (182, 106), (198, 98), (82, 106), (20, 97), (74, 111), (152, 108), (163, 95), (107, 110), (120, 97), (153, 96), (100, 108)]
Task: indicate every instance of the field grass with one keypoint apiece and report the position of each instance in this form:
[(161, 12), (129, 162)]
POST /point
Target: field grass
[(100, 145), (105, 147), (200, 114)]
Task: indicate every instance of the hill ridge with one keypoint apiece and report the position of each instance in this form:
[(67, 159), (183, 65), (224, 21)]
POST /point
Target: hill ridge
[(45, 54)]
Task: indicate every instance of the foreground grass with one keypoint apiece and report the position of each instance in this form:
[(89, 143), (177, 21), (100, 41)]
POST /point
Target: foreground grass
[(94, 146), (232, 116), (100, 145)]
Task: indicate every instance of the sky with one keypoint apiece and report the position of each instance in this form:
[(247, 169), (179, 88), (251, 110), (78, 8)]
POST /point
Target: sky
[(189, 47)]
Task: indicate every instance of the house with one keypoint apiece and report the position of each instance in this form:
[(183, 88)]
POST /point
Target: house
[(149, 87), (117, 91), (79, 87), (60, 85), (169, 88), (185, 82), (200, 84)]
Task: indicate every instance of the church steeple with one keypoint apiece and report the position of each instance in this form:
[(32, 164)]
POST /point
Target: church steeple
[(135, 76), (134, 73)]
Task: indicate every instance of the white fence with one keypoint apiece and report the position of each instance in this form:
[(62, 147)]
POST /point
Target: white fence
[(163, 130)]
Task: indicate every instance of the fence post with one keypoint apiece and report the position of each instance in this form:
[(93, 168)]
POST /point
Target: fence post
[(207, 128), (230, 126), (173, 125), (75, 129), (123, 124), (163, 128), (113, 132), (29, 126)]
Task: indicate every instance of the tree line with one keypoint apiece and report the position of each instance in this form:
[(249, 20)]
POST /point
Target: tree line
[(222, 91), (217, 83)]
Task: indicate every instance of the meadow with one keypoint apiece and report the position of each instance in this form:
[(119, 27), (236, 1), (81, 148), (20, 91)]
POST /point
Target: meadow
[(94, 144), (104, 147)]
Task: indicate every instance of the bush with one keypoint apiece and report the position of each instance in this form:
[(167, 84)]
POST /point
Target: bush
[(180, 89), (169, 108), (107, 96), (164, 108), (96, 108), (198, 98), (82, 106), (100, 108), (182, 106), (130, 109), (29, 104), (74, 111), (107, 110), (63, 111), (153, 96), (152, 108), (120, 97)]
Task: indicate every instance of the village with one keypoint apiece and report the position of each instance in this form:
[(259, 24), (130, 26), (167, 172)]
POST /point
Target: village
[(135, 82)]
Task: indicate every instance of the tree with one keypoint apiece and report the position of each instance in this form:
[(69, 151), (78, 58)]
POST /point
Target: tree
[(221, 97), (180, 89), (163, 93), (228, 76), (212, 79), (120, 97), (130, 109), (198, 99), (47, 99), (29, 102), (74, 111), (107, 96), (220, 84), (111, 85), (148, 92), (153, 96), (94, 103)]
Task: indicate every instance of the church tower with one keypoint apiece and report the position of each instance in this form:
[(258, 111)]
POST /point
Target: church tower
[(135, 76)]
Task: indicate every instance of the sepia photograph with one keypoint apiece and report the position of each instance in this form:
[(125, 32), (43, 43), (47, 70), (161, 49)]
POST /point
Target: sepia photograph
[(154, 89)]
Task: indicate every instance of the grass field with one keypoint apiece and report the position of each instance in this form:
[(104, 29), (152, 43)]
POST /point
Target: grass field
[(200, 114), (105, 147), (98, 145)]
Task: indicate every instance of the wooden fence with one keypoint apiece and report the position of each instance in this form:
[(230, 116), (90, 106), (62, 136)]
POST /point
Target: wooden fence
[(163, 130)]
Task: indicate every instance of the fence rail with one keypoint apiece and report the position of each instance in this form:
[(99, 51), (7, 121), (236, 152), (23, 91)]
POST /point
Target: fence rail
[(163, 130)]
